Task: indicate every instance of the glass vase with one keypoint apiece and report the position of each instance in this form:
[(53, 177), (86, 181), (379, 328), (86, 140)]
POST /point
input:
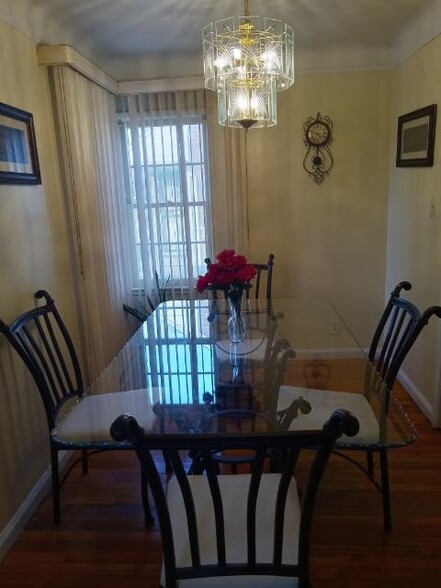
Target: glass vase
[(236, 322)]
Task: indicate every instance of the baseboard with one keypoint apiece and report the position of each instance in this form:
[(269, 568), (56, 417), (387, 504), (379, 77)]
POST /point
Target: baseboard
[(328, 353), (11, 533), (423, 404)]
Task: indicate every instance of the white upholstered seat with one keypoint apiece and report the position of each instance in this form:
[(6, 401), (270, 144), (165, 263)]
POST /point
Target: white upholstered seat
[(323, 403), (234, 489)]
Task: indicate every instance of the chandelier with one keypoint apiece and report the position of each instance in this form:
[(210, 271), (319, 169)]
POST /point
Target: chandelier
[(247, 60)]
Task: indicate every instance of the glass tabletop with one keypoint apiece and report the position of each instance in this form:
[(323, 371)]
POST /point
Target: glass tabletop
[(298, 357)]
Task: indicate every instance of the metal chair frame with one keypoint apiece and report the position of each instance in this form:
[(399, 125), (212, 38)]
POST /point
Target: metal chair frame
[(260, 441), (399, 327), (42, 341)]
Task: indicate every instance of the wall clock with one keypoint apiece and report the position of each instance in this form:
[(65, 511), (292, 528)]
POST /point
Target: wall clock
[(318, 136)]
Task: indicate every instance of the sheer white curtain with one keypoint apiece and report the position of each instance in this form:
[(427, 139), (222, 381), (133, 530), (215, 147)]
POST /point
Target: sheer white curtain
[(94, 194), (228, 183), (168, 202)]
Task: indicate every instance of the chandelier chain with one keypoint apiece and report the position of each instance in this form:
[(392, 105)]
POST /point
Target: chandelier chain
[(246, 8)]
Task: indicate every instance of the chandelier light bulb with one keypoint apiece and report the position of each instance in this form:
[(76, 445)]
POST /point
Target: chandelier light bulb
[(237, 53)]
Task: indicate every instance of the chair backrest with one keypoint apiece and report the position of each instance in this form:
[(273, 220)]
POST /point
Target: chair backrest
[(275, 367), (248, 497), (264, 270), (41, 339), (264, 275), (397, 331)]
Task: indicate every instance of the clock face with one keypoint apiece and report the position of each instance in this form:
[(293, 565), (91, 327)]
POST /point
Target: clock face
[(317, 133)]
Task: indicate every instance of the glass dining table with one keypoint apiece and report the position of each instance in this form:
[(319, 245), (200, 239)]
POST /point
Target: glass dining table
[(298, 356)]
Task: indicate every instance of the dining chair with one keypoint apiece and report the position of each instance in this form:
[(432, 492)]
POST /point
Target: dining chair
[(263, 278), (240, 531), (75, 421), (399, 327)]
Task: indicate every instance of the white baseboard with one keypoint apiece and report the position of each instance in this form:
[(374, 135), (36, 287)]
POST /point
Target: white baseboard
[(328, 353), (424, 405), (11, 533)]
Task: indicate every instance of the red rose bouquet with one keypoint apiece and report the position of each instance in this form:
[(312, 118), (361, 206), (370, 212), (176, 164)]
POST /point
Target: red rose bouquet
[(231, 273)]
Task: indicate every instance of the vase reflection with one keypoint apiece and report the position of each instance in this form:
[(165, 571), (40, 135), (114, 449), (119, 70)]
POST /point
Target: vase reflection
[(236, 322)]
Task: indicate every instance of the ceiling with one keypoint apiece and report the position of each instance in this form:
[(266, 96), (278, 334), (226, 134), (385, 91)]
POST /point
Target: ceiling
[(127, 30)]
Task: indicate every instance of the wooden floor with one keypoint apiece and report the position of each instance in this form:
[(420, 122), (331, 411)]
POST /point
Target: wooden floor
[(102, 542)]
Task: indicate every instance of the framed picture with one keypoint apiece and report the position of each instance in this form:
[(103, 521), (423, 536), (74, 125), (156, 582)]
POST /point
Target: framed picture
[(416, 137), (18, 149)]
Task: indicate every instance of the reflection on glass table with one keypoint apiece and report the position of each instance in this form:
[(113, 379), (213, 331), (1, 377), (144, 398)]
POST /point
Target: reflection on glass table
[(184, 352), (299, 359), (182, 356)]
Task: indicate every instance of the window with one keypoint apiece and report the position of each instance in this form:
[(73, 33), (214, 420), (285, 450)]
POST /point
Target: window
[(167, 181)]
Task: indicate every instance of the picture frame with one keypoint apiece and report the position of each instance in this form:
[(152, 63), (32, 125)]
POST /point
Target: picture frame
[(18, 148), (416, 138)]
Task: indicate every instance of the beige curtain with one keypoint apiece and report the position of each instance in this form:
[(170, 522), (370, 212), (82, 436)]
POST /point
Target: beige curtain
[(91, 158), (229, 184)]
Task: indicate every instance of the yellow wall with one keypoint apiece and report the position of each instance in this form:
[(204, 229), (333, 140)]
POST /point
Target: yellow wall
[(330, 239), (33, 254), (414, 237)]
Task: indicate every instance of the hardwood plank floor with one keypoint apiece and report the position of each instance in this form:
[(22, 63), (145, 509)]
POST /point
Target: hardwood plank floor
[(102, 541)]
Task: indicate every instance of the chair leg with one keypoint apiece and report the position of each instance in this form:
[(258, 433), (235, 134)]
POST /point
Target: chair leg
[(85, 461), (148, 517), (387, 517), (55, 486), (168, 465), (370, 463)]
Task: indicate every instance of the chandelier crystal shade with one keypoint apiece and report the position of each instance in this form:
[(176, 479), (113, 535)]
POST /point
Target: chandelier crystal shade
[(247, 60)]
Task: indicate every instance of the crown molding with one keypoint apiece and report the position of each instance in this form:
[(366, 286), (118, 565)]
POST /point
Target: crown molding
[(31, 21)]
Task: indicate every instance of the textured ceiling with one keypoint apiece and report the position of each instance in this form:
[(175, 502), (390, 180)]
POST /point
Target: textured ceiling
[(135, 28)]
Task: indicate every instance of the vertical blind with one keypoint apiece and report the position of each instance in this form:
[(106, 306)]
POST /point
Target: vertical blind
[(167, 182)]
